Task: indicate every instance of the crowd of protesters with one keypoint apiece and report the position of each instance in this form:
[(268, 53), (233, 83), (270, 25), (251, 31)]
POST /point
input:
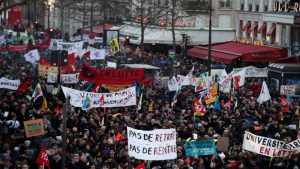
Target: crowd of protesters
[(93, 144)]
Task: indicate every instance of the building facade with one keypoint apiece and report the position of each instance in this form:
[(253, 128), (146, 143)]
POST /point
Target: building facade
[(269, 22), (85, 13)]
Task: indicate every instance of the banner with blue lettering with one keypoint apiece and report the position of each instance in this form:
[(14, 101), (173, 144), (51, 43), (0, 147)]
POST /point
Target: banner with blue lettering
[(200, 148)]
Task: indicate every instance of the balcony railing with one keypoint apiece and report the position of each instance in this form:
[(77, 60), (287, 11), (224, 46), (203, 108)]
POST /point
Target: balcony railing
[(225, 4), (196, 5)]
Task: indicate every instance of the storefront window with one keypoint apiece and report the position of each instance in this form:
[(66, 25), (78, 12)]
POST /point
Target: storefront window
[(295, 47)]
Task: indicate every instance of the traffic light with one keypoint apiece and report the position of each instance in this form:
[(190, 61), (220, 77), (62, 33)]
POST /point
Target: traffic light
[(54, 57), (127, 40), (187, 41), (63, 57)]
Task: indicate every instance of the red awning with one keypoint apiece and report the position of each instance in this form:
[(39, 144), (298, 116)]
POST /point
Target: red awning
[(253, 27), (246, 26), (261, 29), (271, 30), (97, 29), (228, 51)]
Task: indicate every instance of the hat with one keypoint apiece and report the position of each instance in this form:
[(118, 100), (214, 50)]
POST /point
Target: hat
[(27, 143), (255, 123)]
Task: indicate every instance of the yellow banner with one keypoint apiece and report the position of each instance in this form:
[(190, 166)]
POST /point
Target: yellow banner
[(115, 88)]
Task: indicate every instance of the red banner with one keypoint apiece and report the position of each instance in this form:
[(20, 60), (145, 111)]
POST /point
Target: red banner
[(15, 17), (17, 48), (111, 76)]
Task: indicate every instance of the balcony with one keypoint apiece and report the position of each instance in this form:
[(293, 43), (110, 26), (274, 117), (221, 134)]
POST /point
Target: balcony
[(196, 5), (227, 4)]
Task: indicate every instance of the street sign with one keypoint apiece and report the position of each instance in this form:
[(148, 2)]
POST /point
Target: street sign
[(171, 53)]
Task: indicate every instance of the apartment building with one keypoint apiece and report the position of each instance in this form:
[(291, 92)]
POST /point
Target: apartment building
[(269, 22)]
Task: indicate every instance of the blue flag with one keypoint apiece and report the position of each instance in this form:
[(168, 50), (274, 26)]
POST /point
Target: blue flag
[(217, 105)]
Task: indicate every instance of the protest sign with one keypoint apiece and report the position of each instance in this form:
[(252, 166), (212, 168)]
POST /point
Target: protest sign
[(45, 69), (200, 148), (64, 78), (34, 127), (98, 54), (223, 144), (122, 98), (290, 89), (252, 71), (159, 144), (265, 146), (183, 82), (9, 84), (173, 84), (17, 48)]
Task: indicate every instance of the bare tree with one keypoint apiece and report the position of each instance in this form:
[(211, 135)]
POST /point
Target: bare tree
[(148, 12), (177, 13)]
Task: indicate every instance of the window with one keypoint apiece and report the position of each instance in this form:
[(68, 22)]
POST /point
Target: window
[(224, 21), (225, 4)]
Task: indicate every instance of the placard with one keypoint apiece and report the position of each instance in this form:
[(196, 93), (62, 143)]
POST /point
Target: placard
[(34, 127), (200, 148), (159, 144), (223, 144), (9, 84), (290, 89)]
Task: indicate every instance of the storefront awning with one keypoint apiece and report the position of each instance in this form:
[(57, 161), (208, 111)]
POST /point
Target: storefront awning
[(246, 26), (263, 26), (271, 30), (253, 27), (228, 51), (97, 29)]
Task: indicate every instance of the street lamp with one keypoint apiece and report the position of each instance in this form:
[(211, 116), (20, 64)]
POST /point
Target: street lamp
[(49, 3), (209, 39)]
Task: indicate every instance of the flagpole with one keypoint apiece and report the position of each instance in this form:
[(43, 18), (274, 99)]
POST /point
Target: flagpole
[(43, 165)]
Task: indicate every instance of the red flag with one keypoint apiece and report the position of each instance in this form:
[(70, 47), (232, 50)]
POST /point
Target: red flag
[(199, 108), (42, 158), (57, 110), (23, 86), (119, 136), (102, 100), (96, 89), (88, 73), (147, 82), (236, 83), (140, 166), (228, 104), (256, 88), (284, 104)]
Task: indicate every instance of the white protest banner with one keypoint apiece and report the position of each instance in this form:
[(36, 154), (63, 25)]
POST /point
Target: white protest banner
[(252, 71), (265, 146), (51, 77), (173, 84), (184, 81), (53, 44), (64, 78), (70, 78), (294, 145), (122, 98), (9, 84), (98, 54), (32, 56), (159, 144), (112, 65), (290, 89)]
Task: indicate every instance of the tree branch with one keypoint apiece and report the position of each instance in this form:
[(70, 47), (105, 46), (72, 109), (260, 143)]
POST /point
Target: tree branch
[(13, 5)]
